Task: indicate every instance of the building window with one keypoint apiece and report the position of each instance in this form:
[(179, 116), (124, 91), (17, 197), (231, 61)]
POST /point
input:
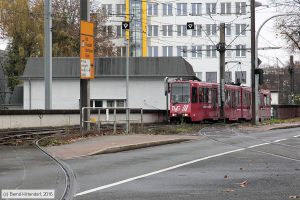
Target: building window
[(196, 9), (199, 75), (152, 51), (110, 103), (167, 51), (107, 30), (196, 51), (181, 9), (225, 8), (240, 8), (182, 51), (211, 51), (98, 103), (228, 77), (167, 9), (152, 30), (240, 76), (167, 30), (228, 29), (228, 53), (211, 8), (120, 32), (120, 10), (120, 103), (121, 51), (152, 9), (181, 30), (197, 31), (107, 8), (211, 77), (211, 29), (240, 50), (240, 29)]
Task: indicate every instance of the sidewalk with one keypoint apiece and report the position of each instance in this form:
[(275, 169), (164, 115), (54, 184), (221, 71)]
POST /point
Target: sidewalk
[(269, 127), (114, 143)]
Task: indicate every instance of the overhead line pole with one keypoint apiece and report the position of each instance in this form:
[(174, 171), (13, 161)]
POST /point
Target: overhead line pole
[(48, 54), (253, 62), (85, 83), (221, 47)]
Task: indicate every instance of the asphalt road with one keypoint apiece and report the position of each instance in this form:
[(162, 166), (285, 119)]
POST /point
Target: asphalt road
[(29, 168), (225, 165)]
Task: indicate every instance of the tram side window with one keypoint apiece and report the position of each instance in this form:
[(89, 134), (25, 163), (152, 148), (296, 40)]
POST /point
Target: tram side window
[(201, 99), (227, 97), (214, 97), (238, 98), (205, 95), (233, 99), (194, 95), (268, 100)]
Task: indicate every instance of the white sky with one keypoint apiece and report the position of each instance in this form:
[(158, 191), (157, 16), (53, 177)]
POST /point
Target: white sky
[(267, 37)]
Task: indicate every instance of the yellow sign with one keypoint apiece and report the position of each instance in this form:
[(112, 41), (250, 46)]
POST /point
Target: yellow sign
[(87, 67)]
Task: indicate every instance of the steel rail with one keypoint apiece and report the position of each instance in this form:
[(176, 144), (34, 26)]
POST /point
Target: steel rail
[(69, 189)]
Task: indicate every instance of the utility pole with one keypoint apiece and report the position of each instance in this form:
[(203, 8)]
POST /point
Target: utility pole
[(221, 47), (48, 54), (291, 71), (85, 83), (253, 62), (127, 89)]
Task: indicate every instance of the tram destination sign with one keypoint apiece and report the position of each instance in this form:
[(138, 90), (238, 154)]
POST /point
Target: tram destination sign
[(87, 68)]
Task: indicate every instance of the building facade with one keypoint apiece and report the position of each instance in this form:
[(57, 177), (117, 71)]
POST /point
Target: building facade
[(108, 89), (158, 28)]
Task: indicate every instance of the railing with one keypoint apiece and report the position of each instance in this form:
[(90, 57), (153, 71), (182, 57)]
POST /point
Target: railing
[(107, 120)]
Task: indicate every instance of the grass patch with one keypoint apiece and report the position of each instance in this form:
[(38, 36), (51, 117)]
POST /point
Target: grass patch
[(280, 121), (174, 129)]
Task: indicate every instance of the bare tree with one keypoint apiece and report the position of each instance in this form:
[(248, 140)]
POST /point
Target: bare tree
[(289, 26)]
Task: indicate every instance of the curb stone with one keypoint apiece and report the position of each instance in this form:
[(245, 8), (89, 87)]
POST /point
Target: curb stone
[(138, 146)]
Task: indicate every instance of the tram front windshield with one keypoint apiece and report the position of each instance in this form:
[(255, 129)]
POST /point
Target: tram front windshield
[(180, 93)]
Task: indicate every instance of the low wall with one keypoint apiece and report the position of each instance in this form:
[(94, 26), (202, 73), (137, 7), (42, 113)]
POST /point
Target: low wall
[(15, 119), (286, 111)]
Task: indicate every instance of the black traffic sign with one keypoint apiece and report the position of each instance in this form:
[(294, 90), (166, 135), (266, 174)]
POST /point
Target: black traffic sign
[(125, 25), (190, 26)]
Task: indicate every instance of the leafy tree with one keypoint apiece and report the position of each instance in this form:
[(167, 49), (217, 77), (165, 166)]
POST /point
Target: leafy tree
[(22, 24), (289, 25)]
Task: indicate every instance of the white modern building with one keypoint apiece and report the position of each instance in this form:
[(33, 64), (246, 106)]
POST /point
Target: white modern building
[(158, 28), (108, 89)]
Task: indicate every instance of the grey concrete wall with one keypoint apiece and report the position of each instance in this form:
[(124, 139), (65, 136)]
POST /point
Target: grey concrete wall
[(56, 120)]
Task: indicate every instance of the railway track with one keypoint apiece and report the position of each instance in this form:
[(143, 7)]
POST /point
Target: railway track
[(16, 137)]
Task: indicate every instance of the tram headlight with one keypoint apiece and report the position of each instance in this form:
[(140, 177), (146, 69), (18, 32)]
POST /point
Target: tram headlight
[(174, 115), (185, 115)]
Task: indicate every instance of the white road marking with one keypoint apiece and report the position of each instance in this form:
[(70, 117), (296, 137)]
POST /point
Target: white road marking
[(166, 169), (155, 172), (257, 145), (296, 136), (279, 140)]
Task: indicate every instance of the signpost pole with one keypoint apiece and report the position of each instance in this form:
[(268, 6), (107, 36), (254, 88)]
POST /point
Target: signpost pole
[(84, 83)]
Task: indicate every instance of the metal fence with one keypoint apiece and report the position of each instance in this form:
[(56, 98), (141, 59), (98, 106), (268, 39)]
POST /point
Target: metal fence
[(115, 121)]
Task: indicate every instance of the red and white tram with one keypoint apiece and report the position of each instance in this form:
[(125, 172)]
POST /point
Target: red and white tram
[(198, 101)]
